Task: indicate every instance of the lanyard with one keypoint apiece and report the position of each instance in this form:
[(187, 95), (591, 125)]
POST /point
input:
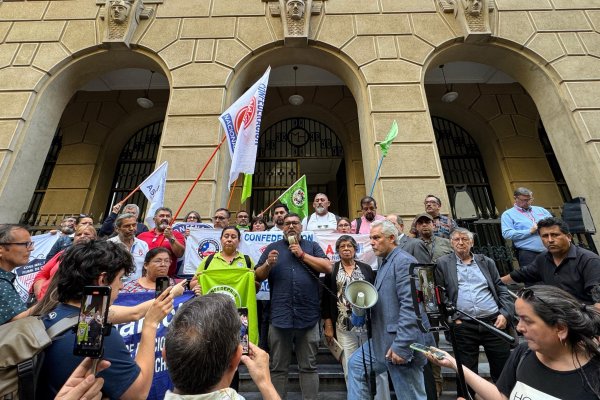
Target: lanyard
[(529, 215)]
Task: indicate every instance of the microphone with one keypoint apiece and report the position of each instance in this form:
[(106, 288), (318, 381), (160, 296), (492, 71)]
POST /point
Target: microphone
[(292, 239)]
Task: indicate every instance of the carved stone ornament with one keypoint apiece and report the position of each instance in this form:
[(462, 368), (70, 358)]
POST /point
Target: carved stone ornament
[(472, 15), (295, 15), (121, 19)]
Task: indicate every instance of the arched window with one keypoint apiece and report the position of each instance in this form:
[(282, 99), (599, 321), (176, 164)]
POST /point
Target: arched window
[(294, 147), (136, 162)]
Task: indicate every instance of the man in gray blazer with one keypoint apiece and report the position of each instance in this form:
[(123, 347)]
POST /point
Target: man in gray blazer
[(473, 285), (414, 247), (394, 324)]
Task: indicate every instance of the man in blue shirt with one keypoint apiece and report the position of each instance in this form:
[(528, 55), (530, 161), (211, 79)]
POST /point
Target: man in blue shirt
[(472, 284), (292, 266), (519, 224)]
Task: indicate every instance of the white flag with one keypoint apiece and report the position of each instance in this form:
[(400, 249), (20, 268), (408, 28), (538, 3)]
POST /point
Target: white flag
[(241, 122), (154, 190)]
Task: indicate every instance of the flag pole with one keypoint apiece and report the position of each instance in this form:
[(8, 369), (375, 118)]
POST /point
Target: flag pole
[(129, 195), (376, 175), (231, 192), (197, 179)]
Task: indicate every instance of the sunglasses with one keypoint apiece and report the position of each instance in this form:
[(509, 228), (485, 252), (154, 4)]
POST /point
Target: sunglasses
[(528, 295)]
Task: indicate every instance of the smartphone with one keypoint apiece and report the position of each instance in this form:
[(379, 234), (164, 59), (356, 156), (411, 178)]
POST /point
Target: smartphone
[(162, 283), (426, 349), (93, 314), (243, 313)]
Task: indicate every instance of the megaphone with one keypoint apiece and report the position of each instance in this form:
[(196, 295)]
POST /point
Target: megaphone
[(361, 295)]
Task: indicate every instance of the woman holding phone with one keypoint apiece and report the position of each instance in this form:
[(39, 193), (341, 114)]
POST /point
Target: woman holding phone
[(561, 359), (156, 264)]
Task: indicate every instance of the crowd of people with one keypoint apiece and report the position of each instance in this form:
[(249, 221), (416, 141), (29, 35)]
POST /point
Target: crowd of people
[(559, 317)]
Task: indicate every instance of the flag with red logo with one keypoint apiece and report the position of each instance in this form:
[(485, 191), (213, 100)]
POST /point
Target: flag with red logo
[(241, 122)]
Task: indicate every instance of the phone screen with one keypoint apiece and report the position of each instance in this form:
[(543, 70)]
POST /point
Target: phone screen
[(243, 312), (427, 284), (162, 283), (93, 314)]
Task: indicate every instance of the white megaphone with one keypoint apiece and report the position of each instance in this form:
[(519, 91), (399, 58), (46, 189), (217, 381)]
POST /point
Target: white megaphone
[(361, 295)]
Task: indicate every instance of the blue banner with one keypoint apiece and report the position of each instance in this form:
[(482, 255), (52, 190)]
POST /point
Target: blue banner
[(132, 334)]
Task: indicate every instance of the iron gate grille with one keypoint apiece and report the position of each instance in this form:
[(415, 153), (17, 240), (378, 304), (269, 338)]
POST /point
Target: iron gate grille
[(281, 147), (463, 166), (136, 162)]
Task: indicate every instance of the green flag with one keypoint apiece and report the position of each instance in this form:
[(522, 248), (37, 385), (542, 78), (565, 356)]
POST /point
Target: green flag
[(296, 198), (247, 188), (385, 145), (237, 283)]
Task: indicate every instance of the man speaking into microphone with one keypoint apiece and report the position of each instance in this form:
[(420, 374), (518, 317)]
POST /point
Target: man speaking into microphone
[(292, 266), (394, 323)]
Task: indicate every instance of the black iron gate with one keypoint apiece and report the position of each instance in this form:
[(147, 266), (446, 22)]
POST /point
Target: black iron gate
[(281, 149), (136, 162), (463, 168)]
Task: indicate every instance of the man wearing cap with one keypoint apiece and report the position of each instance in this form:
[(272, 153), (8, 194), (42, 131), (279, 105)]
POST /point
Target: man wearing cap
[(443, 225), (436, 246)]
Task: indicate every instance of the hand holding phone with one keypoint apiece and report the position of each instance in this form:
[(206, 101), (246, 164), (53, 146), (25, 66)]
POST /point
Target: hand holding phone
[(162, 283), (93, 314), (427, 350), (244, 329)]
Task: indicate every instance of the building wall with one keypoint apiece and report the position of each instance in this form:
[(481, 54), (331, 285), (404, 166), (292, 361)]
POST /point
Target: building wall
[(211, 50)]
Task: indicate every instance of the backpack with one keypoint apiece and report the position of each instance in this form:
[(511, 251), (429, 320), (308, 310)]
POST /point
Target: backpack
[(22, 344), (210, 258)]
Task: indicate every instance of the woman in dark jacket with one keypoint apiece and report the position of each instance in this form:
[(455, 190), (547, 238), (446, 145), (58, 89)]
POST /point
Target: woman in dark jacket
[(336, 310)]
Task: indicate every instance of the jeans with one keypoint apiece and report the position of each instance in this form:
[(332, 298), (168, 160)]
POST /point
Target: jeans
[(306, 345), (526, 257), (406, 378)]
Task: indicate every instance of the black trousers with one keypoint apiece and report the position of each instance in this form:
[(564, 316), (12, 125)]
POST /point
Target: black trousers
[(526, 257), (469, 336)]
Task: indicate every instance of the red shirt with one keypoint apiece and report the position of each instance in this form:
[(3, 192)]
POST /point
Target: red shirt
[(154, 240)]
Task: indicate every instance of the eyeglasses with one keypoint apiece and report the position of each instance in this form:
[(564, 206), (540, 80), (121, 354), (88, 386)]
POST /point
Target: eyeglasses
[(430, 202), (219, 217), (528, 294), (27, 245), (291, 223), (525, 200)]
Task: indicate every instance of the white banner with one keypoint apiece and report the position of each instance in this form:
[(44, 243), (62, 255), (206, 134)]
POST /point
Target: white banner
[(203, 242), (241, 122), (154, 190), (37, 259)]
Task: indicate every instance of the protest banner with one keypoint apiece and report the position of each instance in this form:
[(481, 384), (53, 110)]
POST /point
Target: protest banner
[(26, 273), (201, 243), (132, 334)]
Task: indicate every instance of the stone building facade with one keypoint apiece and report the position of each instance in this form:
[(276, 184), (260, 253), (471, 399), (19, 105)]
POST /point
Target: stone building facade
[(380, 51)]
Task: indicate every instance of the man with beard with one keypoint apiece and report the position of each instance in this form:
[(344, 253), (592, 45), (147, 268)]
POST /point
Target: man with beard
[(368, 207), (164, 236), (279, 212), (126, 227), (292, 266), (221, 218), (436, 246), (321, 219)]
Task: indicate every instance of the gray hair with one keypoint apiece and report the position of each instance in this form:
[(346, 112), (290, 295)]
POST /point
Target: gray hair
[(387, 228), (202, 339), (462, 231), (121, 217), (522, 191), (6, 231), (132, 206)]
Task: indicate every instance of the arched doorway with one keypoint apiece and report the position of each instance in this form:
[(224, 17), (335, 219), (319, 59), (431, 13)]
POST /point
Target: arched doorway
[(294, 147), (136, 162)]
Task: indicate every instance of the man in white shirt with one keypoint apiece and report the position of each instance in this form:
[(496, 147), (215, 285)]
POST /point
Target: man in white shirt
[(321, 219), (126, 227)]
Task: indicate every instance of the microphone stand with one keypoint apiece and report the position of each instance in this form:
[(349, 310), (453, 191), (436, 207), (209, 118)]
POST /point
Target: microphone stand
[(430, 295)]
